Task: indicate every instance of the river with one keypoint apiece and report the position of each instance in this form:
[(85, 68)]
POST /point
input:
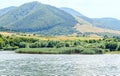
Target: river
[(12, 64)]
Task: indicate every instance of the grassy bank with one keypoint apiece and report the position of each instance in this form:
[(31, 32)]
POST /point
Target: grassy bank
[(71, 50), (113, 52)]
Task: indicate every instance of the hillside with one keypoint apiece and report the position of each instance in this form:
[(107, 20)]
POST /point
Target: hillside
[(76, 14), (39, 18), (86, 27), (94, 25), (109, 23), (35, 17), (71, 11), (6, 10)]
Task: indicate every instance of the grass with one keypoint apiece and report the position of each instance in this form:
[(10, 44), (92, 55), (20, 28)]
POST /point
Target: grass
[(63, 38), (27, 35), (113, 52), (49, 50), (63, 50)]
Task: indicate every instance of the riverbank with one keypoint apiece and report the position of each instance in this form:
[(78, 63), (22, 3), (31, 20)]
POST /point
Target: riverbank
[(70, 50), (51, 51), (113, 52)]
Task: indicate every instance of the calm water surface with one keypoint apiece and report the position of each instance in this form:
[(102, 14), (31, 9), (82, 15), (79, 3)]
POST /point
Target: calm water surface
[(12, 64)]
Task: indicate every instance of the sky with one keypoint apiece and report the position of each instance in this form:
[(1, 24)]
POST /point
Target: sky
[(90, 8)]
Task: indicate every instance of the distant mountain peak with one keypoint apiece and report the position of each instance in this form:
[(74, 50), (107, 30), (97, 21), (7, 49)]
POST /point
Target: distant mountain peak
[(71, 11), (34, 3)]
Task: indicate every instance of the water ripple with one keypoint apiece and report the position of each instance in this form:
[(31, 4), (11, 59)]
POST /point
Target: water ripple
[(59, 65)]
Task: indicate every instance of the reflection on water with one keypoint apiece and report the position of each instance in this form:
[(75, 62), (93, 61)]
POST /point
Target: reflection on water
[(12, 64)]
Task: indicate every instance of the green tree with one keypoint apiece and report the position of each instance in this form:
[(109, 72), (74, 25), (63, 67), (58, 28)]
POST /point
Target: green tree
[(22, 45), (111, 46)]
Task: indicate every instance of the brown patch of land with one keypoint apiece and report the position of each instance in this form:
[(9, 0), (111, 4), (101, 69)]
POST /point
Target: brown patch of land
[(90, 28)]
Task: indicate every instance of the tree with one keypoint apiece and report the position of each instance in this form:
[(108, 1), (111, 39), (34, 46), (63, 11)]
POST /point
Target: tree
[(50, 44), (60, 44), (105, 37), (111, 46), (22, 45)]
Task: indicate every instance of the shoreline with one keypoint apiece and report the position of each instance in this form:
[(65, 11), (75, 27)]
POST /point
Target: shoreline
[(64, 50), (13, 52)]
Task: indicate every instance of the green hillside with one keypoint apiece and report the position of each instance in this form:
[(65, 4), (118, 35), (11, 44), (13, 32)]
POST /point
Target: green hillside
[(39, 18)]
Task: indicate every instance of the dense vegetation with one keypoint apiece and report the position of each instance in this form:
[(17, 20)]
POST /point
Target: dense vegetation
[(34, 45)]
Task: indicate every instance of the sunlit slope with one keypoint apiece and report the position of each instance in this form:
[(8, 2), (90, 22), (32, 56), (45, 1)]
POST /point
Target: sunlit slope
[(84, 26)]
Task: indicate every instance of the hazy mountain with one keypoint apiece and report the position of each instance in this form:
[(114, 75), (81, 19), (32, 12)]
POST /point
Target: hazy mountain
[(71, 11), (76, 13), (94, 25), (6, 10), (109, 23)]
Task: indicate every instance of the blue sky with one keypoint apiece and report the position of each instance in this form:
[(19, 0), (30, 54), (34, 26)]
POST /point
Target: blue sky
[(90, 8)]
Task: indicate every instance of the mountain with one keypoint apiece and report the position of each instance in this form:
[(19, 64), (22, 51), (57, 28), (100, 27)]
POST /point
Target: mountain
[(76, 14), (35, 17), (71, 11), (94, 25), (6, 10), (39, 18), (109, 23)]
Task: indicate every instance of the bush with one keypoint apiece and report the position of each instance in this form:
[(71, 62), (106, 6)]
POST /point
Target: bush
[(93, 51), (88, 51), (22, 45), (72, 50), (59, 45), (111, 46), (10, 48)]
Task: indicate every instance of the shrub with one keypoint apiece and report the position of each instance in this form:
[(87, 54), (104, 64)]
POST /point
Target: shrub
[(10, 48), (88, 51), (93, 51), (111, 46)]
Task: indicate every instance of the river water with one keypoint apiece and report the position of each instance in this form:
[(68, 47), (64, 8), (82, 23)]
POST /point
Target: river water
[(12, 64)]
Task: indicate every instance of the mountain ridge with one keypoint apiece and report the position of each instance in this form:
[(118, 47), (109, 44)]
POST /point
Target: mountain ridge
[(35, 17)]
